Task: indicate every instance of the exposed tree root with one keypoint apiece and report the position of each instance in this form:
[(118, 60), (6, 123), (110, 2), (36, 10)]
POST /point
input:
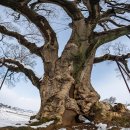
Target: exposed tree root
[(117, 115)]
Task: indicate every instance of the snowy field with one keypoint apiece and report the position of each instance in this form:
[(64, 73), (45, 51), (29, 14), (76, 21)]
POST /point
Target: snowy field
[(14, 116), (17, 117)]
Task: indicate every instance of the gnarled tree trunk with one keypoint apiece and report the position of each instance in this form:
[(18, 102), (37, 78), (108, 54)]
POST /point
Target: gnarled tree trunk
[(66, 90)]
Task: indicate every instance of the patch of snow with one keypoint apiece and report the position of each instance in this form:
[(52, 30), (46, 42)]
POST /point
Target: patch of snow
[(34, 120), (82, 118), (10, 116), (62, 129), (14, 116), (128, 107), (110, 127), (87, 121), (44, 125), (101, 126)]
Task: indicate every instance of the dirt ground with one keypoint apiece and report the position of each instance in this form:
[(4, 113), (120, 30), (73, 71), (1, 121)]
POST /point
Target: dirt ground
[(51, 127)]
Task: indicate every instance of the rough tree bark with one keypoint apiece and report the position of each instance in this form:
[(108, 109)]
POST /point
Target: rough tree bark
[(66, 90)]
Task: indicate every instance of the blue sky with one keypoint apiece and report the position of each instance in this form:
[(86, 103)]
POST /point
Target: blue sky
[(104, 78), (106, 82)]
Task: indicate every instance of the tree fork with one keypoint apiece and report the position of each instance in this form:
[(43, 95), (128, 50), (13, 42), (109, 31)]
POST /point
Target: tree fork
[(63, 96)]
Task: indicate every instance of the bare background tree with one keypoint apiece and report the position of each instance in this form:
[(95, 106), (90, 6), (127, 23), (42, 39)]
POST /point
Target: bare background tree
[(110, 100), (29, 29)]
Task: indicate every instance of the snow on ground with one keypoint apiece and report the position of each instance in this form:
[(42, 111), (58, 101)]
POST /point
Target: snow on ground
[(101, 126), (14, 116), (10, 116), (128, 107), (44, 125)]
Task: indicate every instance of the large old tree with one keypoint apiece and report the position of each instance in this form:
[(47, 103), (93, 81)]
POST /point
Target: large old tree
[(65, 88)]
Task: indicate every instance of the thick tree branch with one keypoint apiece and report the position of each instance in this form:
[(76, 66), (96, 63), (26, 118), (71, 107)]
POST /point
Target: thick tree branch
[(40, 21), (17, 67), (111, 58), (94, 13), (105, 22), (108, 13), (31, 46), (24, 2), (69, 6), (93, 8), (49, 50), (122, 59), (107, 36)]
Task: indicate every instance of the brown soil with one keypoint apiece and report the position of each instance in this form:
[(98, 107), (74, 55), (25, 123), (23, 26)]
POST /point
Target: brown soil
[(80, 126)]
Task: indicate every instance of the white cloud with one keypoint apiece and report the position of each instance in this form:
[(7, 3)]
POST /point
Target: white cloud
[(11, 97), (114, 87)]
